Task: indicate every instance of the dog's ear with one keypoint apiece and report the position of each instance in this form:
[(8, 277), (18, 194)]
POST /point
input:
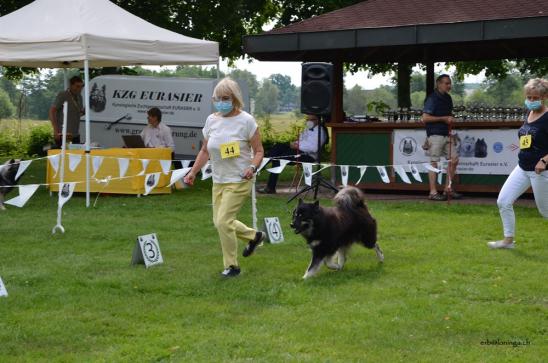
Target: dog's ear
[(11, 161)]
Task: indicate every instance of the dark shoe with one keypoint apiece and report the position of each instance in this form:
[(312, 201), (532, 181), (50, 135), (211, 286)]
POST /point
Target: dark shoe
[(231, 271), (259, 237), (437, 197), (454, 195), (266, 190)]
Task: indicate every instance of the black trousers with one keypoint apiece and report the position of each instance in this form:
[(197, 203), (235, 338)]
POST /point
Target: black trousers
[(288, 154)]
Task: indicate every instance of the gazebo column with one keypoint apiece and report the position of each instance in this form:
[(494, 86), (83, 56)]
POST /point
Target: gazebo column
[(429, 77), (404, 85), (337, 95)]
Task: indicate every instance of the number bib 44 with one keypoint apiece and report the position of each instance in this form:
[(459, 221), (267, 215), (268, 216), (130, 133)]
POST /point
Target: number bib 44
[(230, 150), (525, 142)]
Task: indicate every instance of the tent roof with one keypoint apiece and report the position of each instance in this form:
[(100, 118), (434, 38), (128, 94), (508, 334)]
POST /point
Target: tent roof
[(410, 31), (63, 33)]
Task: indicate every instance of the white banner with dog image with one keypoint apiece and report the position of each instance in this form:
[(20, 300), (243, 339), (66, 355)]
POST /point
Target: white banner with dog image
[(485, 152)]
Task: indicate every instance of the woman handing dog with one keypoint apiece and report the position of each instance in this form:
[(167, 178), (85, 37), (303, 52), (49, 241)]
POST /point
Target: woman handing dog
[(232, 143)]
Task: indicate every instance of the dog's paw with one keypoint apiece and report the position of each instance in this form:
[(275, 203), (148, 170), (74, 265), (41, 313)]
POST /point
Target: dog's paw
[(333, 266)]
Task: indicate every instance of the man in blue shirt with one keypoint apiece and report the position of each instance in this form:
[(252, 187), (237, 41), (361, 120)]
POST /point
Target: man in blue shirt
[(437, 116)]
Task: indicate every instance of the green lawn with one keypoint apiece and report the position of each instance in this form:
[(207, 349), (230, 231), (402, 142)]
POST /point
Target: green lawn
[(437, 297)]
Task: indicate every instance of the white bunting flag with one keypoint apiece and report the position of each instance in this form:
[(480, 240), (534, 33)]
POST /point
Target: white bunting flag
[(307, 171), (25, 193), (362, 168), (402, 174), (97, 161), (344, 174), (323, 166), (123, 164), (151, 180), (178, 174), (263, 163), (54, 161), (144, 163), (383, 174), (207, 171), (440, 177), (429, 167), (65, 192), (415, 173), (3, 291), (186, 163), (166, 166), (74, 161), (279, 169), (23, 165)]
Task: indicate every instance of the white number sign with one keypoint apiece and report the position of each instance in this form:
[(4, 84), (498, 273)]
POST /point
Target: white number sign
[(147, 251), (274, 230), (3, 291)]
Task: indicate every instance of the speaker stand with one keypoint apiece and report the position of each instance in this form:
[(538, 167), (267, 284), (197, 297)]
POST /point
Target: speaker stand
[(317, 179)]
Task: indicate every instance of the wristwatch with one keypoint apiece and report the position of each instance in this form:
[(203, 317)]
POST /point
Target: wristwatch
[(253, 167), (543, 161)]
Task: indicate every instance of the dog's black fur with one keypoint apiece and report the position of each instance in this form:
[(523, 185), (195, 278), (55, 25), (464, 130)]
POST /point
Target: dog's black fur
[(8, 171), (331, 231)]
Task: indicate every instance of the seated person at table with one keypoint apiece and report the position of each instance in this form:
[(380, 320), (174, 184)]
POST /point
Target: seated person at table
[(156, 134), (305, 149)]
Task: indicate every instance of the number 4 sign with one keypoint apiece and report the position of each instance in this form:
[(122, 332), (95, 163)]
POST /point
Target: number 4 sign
[(147, 251), (274, 230), (3, 291)]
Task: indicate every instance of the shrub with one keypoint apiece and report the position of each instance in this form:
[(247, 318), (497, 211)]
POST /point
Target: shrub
[(39, 137), (10, 144)]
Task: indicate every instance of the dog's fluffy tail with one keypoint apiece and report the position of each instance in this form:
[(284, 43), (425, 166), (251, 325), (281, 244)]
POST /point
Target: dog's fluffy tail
[(349, 198)]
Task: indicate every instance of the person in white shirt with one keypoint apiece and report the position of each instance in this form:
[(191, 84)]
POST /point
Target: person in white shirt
[(305, 149), (156, 134), (232, 143)]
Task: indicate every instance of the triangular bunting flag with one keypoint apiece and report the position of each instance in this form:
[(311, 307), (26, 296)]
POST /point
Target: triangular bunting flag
[(415, 173), (144, 163), (344, 174), (123, 164), (186, 163), (178, 174), (307, 170), (440, 177), (323, 166), (23, 165), (74, 161), (279, 169), (429, 167), (25, 193), (166, 166), (362, 168), (207, 171), (402, 174), (65, 192), (383, 174), (54, 161), (151, 180), (263, 163), (97, 161)]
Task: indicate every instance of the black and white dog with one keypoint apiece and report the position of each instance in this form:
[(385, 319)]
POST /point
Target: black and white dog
[(331, 231), (8, 171)]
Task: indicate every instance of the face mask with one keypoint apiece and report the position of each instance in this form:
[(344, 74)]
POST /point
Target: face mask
[(224, 107), (310, 124), (533, 105)]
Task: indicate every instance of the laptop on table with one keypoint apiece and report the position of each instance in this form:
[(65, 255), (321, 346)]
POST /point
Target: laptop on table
[(133, 141)]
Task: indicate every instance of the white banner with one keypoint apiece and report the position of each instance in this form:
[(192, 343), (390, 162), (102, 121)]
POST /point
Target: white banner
[(25, 192), (344, 174), (23, 165), (151, 181), (480, 151)]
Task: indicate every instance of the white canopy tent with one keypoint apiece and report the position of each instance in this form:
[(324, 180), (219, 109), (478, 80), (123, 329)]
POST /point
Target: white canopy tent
[(92, 33)]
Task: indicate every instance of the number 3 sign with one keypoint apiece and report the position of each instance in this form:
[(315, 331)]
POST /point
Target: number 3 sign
[(147, 251)]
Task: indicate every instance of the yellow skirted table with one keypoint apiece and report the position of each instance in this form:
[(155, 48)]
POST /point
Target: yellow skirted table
[(131, 183)]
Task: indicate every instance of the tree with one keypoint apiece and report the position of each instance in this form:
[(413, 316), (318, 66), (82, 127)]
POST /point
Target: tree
[(7, 109), (266, 102), (286, 94), (247, 77), (354, 102)]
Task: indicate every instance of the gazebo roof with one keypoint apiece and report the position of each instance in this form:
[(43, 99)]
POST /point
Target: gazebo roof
[(377, 31)]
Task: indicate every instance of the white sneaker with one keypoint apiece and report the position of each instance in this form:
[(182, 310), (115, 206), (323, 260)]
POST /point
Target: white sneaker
[(501, 244)]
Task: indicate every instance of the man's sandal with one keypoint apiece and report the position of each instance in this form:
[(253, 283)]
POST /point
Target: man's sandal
[(437, 197)]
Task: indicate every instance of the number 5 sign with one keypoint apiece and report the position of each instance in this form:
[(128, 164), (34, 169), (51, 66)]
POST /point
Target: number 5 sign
[(147, 251)]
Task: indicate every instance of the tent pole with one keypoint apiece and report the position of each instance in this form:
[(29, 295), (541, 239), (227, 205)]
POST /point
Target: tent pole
[(88, 134), (65, 78)]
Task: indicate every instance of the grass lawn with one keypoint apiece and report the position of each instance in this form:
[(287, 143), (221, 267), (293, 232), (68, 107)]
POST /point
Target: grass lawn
[(439, 295)]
